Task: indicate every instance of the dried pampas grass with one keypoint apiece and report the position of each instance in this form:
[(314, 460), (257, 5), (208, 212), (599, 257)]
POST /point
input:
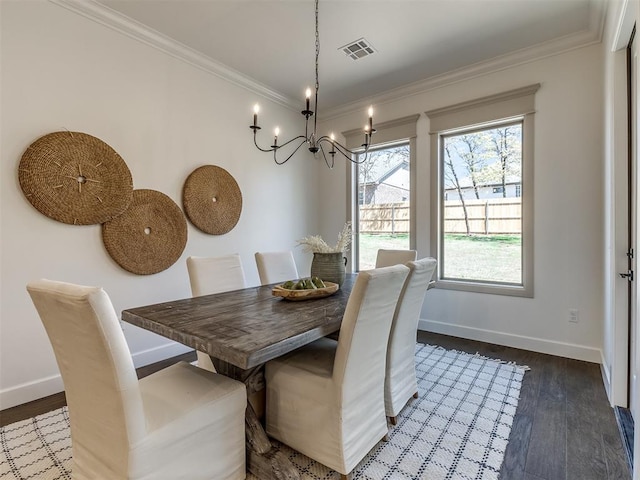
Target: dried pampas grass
[(315, 243)]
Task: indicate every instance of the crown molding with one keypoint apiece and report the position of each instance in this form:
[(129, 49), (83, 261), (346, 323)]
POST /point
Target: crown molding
[(110, 18), (496, 64), (626, 21)]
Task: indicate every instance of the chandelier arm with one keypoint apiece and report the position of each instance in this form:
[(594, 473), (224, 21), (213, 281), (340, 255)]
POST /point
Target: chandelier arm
[(255, 142), (344, 151), (304, 139), (275, 150), (325, 157)]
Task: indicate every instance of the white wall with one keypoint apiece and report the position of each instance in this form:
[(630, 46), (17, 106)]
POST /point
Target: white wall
[(568, 209), (60, 70)]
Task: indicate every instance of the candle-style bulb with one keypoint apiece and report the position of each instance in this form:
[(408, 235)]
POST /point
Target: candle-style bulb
[(370, 111), (256, 109), (277, 131), (308, 96), (332, 137)]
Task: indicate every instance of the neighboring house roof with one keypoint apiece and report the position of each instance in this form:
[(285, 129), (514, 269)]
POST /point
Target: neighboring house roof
[(380, 176)]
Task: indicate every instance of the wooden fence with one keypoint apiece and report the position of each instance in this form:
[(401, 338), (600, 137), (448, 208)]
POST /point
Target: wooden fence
[(486, 217), (489, 216), (389, 218)]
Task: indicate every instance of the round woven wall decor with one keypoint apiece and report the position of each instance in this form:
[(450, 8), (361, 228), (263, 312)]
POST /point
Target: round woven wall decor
[(75, 178), (212, 199), (149, 236)]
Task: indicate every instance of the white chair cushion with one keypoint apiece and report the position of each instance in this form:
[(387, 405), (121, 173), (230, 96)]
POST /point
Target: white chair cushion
[(276, 267), (326, 399), (179, 423), (400, 380), (209, 275), (187, 402), (386, 258)]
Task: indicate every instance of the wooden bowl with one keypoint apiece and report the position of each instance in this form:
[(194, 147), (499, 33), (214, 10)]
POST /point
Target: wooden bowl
[(297, 295)]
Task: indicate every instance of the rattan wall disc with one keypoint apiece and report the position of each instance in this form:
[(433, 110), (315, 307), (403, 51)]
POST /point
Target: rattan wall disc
[(212, 199), (75, 178), (149, 236)]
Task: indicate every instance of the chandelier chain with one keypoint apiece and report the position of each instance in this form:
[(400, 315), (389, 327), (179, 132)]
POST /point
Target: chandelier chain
[(317, 48)]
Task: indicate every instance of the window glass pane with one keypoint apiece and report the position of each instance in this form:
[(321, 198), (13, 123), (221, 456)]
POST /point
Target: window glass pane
[(383, 203), (481, 231)]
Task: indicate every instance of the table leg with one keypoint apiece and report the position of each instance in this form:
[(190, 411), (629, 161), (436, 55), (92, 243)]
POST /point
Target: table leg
[(264, 461)]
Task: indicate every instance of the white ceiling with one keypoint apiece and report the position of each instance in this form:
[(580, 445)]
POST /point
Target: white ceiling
[(272, 41)]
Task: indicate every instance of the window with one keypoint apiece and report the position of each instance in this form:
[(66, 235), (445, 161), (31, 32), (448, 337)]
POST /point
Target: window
[(384, 216), (382, 199), (482, 165)]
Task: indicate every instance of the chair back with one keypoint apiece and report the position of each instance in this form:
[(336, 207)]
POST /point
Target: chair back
[(386, 258), (101, 386), (209, 275), (360, 359), (276, 267), (402, 339)]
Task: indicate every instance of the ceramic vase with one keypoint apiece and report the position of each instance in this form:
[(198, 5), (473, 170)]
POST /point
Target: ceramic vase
[(330, 267)]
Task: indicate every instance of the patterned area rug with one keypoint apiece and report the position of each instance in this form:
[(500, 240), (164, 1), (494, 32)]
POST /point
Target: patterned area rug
[(457, 429)]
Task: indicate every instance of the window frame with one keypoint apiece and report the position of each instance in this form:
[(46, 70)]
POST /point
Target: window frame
[(388, 134), (477, 114)]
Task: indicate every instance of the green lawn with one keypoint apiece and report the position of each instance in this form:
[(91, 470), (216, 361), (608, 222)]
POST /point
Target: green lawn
[(479, 257), (494, 258), (369, 245)]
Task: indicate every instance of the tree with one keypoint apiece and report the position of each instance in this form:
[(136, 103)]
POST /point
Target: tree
[(486, 157), (504, 147), (470, 148), (451, 175)]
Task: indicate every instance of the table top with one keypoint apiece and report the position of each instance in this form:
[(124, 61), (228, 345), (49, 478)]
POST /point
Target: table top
[(244, 327)]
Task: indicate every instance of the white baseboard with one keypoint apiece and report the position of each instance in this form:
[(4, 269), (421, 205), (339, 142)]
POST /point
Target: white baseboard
[(561, 349), (153, 355), (29, 391), (606, 377)]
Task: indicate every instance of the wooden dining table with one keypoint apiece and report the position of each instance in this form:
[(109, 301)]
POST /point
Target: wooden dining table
[(241, 330)]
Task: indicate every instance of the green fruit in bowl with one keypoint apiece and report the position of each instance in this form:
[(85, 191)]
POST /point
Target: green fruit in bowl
[(289, 285), (318, 282), (308, 285)]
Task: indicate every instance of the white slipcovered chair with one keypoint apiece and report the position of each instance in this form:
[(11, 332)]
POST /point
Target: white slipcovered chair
[(386, 258), (276, 267), (400, 380), (326, 399), (209, 275), (181, 422)]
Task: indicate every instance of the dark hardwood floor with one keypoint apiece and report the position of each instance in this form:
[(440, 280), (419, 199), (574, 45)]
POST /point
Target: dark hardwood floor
[(564, 428)]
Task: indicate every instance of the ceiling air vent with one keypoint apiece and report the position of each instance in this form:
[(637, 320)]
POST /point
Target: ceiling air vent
[(359, 49)]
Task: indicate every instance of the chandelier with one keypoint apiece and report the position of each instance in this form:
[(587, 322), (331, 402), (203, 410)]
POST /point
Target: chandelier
[(315, 143)]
